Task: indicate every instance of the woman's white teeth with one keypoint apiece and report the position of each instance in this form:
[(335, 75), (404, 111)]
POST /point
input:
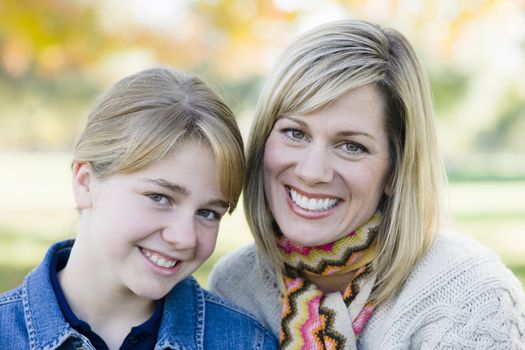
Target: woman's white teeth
[(312, 203), (158, 260)]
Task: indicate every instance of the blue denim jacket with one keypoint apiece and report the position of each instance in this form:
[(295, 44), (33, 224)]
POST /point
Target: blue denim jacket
[(30, 318)]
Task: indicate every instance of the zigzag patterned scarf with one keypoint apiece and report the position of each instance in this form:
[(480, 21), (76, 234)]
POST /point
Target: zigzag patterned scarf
[(314, 320)]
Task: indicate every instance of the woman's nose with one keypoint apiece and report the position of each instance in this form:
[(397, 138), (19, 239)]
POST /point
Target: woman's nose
[(313, 166)]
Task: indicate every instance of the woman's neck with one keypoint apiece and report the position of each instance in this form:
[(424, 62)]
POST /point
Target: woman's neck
[(332, 283)]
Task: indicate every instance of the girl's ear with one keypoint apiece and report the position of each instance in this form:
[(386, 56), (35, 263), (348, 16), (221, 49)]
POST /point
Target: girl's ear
[(82, 176)]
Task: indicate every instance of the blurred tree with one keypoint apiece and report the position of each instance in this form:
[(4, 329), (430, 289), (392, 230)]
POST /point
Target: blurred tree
[(56, 54), (48, 37)]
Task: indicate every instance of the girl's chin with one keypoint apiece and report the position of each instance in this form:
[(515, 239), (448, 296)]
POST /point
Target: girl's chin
[(153, 295)]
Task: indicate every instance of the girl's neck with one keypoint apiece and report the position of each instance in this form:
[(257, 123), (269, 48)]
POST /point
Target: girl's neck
[(110, 311)]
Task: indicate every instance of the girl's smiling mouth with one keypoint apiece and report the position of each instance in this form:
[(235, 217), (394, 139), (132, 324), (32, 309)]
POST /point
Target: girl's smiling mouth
[(159, 259)]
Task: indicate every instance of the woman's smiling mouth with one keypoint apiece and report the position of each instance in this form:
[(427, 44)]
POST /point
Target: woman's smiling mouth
[(312, 204)]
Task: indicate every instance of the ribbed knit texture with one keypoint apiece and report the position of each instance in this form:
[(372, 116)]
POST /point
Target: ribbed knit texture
[(459, 296)]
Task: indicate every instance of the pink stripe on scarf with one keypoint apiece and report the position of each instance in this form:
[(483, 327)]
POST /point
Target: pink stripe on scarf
[(364, 315), (312, 322)]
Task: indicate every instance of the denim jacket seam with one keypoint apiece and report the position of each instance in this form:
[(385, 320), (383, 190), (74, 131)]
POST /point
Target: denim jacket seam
[(170, 344), (31, 332), (260, 339), (30, 324), (201, 315), (217, 301), (10, 299)]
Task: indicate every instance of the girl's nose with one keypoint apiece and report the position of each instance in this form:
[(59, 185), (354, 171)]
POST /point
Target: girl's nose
[(181, 233)]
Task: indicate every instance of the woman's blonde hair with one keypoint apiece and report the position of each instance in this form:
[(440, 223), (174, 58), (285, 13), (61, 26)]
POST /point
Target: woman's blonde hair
[(318, 68), (143, 117)]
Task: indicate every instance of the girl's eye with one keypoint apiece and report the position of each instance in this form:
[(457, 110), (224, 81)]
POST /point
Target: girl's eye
[(352, 147), (209, 214), (159, 199), (294, 134)]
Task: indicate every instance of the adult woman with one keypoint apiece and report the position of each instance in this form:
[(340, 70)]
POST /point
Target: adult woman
[(342, 197)]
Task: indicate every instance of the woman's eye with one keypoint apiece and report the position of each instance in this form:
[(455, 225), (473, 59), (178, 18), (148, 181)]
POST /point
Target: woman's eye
[(352, 147), (294, 134), (209, 214), (159, 199)]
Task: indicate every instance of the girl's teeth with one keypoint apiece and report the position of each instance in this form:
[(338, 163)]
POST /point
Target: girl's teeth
[(159, 261), (312, 203)]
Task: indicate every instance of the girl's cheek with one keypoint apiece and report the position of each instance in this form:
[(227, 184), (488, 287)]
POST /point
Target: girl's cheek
[(208, 245)]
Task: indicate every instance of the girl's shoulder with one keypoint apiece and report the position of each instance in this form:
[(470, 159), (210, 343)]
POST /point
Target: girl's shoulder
[(14, 332), (11, 296), (209, 320)]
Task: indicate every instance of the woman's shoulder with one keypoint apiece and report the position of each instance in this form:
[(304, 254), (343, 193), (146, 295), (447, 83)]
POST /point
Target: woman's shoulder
[(245, 266), (454, 254), (455, 243), (459, 293), (246, 279), (462, 267), (237, 261)]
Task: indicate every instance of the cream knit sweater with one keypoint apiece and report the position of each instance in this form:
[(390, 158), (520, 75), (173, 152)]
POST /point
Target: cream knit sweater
[(459, 296)]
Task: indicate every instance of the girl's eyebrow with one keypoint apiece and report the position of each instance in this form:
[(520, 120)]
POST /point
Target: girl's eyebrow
[(168, 185), (219, 203), (339, 134), (182, 190)]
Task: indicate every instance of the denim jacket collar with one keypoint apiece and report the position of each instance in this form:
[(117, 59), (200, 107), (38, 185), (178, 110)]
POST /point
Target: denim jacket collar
[(47, 328), (182, 325)]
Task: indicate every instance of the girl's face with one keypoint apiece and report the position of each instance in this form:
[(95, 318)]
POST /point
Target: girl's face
[(148, 230), (325, 172)]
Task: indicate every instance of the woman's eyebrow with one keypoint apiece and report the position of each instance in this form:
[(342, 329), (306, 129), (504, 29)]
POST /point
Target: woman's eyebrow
[(355, 133), (342, 133), (295, 120)]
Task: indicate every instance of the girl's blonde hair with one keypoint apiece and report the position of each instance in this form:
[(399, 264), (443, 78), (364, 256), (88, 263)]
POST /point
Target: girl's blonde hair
[(318, 68), (143, 117)]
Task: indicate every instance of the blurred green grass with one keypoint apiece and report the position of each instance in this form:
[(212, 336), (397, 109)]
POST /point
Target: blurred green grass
[(36, 209)]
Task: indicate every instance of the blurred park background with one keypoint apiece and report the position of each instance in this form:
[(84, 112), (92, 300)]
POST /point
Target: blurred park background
[(56, 55)]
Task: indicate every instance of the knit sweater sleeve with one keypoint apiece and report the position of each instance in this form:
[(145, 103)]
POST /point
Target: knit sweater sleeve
[(246, 279), (460, 296)]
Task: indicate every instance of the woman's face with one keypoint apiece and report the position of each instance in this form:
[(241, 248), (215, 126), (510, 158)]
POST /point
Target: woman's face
[(325, 172)]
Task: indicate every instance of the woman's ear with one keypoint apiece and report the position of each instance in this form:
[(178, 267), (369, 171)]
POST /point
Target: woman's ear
[(82, 177), (389, 184)]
